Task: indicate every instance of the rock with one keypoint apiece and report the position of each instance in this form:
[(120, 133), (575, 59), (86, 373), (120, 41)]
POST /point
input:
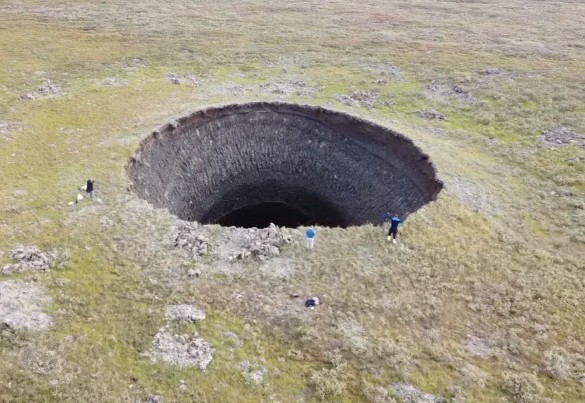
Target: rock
[(184, 313), (490, 71), (79, 197), (180, 350), (430, 114), (262, 243), (185, 79), (441, 92)]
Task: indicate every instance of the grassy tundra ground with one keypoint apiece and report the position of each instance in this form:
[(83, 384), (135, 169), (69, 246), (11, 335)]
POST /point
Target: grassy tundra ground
[(481, 301)]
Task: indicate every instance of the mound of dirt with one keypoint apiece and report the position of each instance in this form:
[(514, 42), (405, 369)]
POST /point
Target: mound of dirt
[(31, 258), (186, 236), (47, 90), (262, 243), (180, 350), (365, 99), (184, 313), (20, 306), (561, 136)]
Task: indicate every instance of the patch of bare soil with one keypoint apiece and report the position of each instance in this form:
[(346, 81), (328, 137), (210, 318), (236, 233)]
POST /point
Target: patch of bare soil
[(184, 313), (253, 373), (32, 258), (20, 306), (561, 136), (366, 99), (444, 92), (47, 90), (180, 350)]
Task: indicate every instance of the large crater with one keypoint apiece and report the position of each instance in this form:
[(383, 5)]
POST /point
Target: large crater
[(252, 164)]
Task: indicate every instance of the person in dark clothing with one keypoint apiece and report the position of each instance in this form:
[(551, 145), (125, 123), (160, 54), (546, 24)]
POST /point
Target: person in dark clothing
[(89, 188), (394, 222)]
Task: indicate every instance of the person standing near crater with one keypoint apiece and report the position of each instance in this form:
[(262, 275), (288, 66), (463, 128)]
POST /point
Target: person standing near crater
[(89, 188), (310, 233), (394, 222)]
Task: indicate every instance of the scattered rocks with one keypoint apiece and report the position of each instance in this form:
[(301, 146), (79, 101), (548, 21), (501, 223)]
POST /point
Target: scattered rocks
[(253, 373), (186, 236), (180, 350), (561, 136), (20, 306), (31, 258), (185, 313), (479, 347), (430, 114), (184, 79), (365, 99), (441, 92), (46, 90), (264, 243), (411, 394), (490, 71)]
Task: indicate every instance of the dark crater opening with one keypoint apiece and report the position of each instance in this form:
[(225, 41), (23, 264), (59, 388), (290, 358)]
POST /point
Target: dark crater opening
[(252, 164)]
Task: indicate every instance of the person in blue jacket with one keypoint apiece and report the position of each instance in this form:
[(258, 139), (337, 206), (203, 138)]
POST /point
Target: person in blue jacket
[(310, 233), (394, 222)]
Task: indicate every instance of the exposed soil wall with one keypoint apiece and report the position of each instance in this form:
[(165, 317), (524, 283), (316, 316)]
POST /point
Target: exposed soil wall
[(335, 169)]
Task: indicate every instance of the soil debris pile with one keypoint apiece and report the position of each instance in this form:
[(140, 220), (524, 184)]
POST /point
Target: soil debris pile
[(184, 313), (31, 258), (47, 90), (186, 237), (561, 136), (180, 350), (263, 243)]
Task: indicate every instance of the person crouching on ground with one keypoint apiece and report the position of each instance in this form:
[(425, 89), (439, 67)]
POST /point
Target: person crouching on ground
[(310, 237), (394, 222), (89, 188)]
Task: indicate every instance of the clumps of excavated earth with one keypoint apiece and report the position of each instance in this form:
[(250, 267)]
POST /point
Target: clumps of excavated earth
[(31, 258), (237, 245), (182, 350)]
